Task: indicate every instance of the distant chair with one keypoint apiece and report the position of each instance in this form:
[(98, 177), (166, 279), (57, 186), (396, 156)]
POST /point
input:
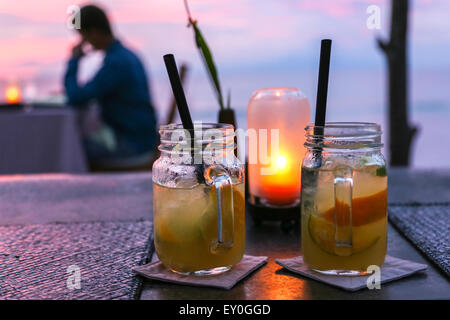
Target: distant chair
[(143, 162)]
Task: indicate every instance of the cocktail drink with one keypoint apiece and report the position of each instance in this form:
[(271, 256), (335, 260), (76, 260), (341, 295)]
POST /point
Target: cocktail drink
[(199, 209), (186, 228), (344, 199)]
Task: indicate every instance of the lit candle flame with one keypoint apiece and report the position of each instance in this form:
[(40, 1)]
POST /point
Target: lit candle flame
[(12, 94), (281, 162)]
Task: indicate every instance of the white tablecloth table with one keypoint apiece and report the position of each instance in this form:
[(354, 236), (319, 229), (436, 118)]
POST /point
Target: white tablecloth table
[(40, 141)]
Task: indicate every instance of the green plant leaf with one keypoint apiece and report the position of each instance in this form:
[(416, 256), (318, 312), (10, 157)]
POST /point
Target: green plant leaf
[(208, 61), (206, 55)]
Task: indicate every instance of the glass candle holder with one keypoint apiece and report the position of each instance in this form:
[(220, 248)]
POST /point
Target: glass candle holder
[(276, 120)]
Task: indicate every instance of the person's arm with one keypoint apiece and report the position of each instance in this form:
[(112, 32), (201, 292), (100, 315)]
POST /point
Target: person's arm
[(105, 82)]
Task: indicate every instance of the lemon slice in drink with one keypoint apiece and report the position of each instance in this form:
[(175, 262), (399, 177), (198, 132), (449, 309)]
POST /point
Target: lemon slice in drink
[(178, 218), (322, 233)]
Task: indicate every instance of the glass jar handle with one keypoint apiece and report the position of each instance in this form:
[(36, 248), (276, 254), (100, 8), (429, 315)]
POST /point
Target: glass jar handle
[(218, 177), (343, 190)]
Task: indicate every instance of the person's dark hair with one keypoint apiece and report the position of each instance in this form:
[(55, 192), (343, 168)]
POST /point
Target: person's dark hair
[(92, 17)]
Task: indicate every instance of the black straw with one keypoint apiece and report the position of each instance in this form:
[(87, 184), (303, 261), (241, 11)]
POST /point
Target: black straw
[(178, 92), (322, 88), (322, 93), (183, 109)]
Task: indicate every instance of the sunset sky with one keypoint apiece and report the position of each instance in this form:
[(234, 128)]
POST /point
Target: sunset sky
[(256, 43), (253, 35)]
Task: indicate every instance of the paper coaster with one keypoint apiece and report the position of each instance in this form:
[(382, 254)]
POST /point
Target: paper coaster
[(226, 280), (392, 269)]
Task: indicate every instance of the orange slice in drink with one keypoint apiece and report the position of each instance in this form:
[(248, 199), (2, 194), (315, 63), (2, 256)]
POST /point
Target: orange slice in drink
[(364, 209), (368, 218)]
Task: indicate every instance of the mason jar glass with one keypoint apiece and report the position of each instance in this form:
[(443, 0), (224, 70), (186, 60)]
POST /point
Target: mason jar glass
[(344, 198), (198, 200)]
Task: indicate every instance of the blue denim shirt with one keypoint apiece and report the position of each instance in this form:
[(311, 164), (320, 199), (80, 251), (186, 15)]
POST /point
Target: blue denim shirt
[(122, 90)]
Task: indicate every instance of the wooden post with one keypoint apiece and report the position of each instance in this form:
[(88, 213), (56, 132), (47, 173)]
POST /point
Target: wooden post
[(401, 133)]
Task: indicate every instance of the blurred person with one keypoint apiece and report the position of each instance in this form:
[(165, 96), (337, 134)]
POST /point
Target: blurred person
[(120, 87)]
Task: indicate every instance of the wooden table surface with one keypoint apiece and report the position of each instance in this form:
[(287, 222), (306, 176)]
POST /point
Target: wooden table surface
[(50, 198)]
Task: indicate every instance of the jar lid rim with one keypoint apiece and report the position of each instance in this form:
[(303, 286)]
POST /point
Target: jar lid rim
[(350, 125), (202, 125)]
